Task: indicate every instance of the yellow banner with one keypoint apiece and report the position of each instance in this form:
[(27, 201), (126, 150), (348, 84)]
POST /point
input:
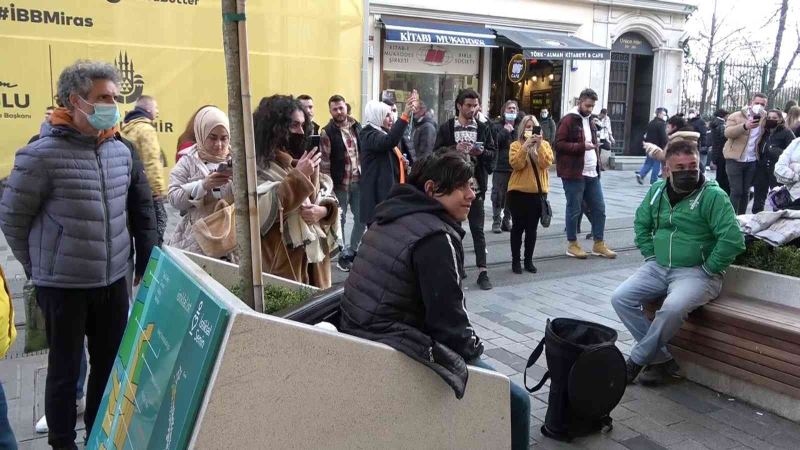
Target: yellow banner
[(172, 50)]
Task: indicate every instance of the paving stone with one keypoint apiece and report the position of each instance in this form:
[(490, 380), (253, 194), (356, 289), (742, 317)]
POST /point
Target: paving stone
[(692, 402), (511, 334), (688, 444), (498, 308), (742, 422), (654, 431), (508, 295), (507, 358), (707, 437), (656, 411), (493, 316), (599, 441), (518, 327), (641, 443)]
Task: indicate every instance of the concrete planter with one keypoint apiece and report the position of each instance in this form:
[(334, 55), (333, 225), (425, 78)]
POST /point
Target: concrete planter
[(227, 274)]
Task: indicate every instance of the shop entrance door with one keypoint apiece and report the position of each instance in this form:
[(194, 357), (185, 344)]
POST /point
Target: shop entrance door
[(630, 87)]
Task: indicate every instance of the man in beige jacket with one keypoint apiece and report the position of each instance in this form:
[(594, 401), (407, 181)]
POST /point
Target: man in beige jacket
[(139, 129), (743, 129)]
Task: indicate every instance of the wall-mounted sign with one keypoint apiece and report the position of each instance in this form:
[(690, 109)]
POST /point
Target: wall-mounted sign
[(517, 68), (632, 43), (419, 58)]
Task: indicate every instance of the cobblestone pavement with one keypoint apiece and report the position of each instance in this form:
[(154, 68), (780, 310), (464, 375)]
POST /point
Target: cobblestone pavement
[(511, 320)]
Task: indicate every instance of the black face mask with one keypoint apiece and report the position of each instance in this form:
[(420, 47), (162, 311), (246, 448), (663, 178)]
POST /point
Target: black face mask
[(771, 123), (297, 145), (684, 181)]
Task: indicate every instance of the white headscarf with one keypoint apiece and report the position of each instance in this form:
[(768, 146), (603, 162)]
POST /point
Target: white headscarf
[(375, 113), (206, 120)]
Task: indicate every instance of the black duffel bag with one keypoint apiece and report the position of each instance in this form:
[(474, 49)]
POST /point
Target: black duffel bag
[(587, 377)]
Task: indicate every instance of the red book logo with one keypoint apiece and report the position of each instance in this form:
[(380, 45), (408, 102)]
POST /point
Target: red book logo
[(434, 56)]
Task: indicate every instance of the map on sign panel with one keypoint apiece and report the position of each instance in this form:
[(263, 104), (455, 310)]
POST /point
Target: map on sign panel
[(163, 364)]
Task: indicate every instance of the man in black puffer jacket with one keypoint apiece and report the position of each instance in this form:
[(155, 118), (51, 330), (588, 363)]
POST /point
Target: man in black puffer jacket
[(405, 286), (505, 132)]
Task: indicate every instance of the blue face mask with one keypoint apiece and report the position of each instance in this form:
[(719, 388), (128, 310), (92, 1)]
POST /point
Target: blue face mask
[(105, 115), (510, 117)]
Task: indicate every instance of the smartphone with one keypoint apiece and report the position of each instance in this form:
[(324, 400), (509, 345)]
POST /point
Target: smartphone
[(757, 117), (313, 141), (537, 130), (225, 166), (478, 146)]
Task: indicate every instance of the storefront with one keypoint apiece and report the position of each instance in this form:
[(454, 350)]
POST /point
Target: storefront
[(438, 59), (630, 54), (530, 67)]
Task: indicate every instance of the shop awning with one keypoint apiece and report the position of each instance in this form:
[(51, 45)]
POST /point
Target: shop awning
[(547, 45), (417, 31)]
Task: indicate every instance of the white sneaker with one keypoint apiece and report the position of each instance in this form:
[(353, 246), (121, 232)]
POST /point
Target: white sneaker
[(41, 425)]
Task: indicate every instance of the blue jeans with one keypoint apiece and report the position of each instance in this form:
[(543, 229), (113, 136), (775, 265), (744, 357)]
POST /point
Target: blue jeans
[(351, 198), (652, 166), (7, 439), (685, 289), (586, 189), (520, 410)]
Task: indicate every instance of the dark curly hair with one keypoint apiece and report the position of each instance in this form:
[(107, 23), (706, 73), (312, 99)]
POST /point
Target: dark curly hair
[(271, 123), (448, 170)]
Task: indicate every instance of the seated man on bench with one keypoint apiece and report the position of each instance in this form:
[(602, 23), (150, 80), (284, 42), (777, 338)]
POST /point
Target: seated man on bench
[(687, 232), (404, 289)]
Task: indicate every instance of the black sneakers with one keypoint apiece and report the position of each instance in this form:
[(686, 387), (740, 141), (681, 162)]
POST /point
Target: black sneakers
[(516, 266), (483, 281), (632, 370), (529, 266), (658, 374)]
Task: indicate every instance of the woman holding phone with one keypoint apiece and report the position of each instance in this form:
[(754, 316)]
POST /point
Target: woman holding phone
[(530, 156), (201, 177), (382, 163)]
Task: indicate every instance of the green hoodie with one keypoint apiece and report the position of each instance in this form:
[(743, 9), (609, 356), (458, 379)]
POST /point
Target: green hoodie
[(701, 230)]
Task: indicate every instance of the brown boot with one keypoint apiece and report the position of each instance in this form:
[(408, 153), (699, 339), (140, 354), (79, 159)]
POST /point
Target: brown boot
[(574, 250), (600, 249)]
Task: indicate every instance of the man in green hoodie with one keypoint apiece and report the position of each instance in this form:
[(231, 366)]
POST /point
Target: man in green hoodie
[(687, 232)]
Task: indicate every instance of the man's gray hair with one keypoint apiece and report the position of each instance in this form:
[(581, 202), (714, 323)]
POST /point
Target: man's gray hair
[(79, 77)]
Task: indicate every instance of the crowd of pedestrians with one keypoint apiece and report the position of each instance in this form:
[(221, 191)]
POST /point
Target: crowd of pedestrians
[(744, 147), (84, 207)]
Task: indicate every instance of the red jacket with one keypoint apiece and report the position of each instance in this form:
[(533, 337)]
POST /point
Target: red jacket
[(571, 147)]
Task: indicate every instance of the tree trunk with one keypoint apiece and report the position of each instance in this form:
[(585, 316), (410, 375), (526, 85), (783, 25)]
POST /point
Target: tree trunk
[(230, 39), (776, 53), (707, 63)]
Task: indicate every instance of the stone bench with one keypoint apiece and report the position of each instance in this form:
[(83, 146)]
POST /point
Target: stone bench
[(746, 343), (280, 383)]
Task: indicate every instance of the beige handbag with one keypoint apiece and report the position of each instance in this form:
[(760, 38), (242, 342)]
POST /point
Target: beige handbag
[(216, 233)]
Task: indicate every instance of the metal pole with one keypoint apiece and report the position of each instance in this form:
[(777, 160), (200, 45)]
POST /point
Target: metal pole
[(234, 35), (764, 77)]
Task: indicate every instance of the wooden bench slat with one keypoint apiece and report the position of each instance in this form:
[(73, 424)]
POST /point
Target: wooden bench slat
[(774, 348), (765, 356), (737, 332), (737, 361), (735, 372), (746, 321), (759, 309)]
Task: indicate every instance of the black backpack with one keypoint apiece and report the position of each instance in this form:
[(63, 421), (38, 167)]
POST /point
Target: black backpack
[(587, 377)]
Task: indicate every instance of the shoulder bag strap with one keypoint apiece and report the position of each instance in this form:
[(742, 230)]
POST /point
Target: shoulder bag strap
[(536, 174), (531, 361)]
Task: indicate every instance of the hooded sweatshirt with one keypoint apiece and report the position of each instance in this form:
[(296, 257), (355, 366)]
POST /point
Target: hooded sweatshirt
[(405, 286), (138, 128)]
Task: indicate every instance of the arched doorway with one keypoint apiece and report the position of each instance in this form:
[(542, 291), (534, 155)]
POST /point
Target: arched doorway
[(629, 91)]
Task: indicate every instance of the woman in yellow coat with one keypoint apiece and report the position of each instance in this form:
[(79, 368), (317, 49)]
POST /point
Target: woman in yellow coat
[(529, 155)]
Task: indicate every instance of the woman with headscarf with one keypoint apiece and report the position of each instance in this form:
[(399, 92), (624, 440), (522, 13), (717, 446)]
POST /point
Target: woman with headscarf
[(382, 162), (298, 210), (202, 177)]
